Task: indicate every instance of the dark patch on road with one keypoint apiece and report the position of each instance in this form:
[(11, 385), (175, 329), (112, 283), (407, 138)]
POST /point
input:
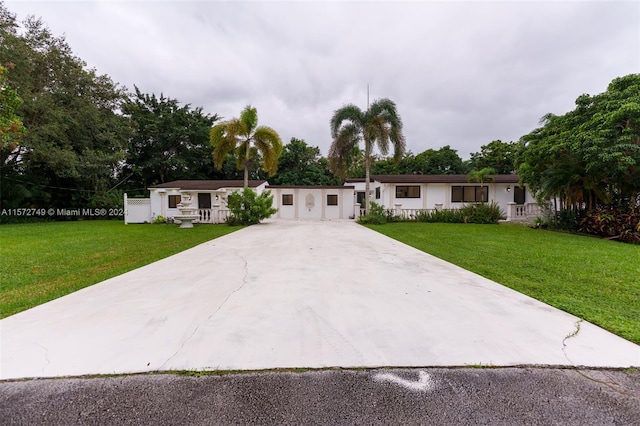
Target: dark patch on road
[(505, 396)]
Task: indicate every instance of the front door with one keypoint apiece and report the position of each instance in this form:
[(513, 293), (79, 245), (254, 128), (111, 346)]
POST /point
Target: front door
[(360, 198), (519, 194)]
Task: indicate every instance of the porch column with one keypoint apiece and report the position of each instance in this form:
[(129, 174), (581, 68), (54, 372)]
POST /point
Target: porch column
[(511, 211), (163, 204), (215, 210)]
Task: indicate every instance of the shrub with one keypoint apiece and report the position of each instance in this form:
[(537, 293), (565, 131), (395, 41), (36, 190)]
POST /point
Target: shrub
[(565, 220), (248, 208), (159, 219), (471, 213), (378, 215), (483, 213), (613, 224), (440, 216)]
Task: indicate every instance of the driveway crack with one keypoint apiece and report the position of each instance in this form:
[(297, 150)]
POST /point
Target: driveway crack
[(195, 330), (574, 333)]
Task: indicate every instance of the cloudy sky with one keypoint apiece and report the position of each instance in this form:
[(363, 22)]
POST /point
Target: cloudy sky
[(461, 73)]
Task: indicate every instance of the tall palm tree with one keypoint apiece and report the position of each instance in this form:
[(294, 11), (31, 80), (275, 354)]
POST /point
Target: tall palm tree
[(244, 137), (377, 126)]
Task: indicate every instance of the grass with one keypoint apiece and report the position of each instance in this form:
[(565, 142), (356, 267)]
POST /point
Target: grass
[(40, 262), (596, 280)]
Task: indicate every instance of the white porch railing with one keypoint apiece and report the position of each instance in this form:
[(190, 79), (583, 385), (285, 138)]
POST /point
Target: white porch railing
[(523, 212), (409, 214), (515, 212), (213, 215)]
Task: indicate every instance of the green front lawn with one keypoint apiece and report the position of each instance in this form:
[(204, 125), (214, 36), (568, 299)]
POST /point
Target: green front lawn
[(594, 279), (43, 261)]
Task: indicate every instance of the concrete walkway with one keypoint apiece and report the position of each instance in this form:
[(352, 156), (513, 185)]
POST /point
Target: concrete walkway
[(298, 294)]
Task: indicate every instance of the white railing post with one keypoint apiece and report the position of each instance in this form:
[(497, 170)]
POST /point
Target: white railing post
[(215, 212), (511, 211), (356, 212)]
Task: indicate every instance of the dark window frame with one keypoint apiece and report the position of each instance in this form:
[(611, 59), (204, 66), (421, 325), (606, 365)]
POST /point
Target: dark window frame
[(174, 200), (469, 193), (377, 193), (401, 192), (289, 197), (332, 199)]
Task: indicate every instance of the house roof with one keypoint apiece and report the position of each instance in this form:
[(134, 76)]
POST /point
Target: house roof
[(311, 186), (206, 185), (434, 179), (356, 180)]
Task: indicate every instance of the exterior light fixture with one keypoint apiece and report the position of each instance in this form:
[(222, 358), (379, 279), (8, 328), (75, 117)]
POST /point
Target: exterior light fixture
[(508, 188)]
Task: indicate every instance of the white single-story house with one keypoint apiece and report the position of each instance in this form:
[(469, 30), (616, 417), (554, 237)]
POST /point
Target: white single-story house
[(405, 194), (210, 198)]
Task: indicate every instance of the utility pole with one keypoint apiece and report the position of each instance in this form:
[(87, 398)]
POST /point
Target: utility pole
[(367, 96)]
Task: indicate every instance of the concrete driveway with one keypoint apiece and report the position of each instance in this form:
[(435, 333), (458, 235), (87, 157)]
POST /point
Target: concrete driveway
[(289, 294)]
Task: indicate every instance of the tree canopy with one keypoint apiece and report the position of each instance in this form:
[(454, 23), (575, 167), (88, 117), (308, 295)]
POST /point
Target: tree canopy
[(443, 161), (75, 138), (590, 156), (171, 141), (11, 127), (496, 155), (301, 164)]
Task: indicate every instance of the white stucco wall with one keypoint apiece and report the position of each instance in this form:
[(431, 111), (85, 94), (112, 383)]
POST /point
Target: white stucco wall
[(288, 211), (499, 194), (160, 203), (437, 194), (311, 203)]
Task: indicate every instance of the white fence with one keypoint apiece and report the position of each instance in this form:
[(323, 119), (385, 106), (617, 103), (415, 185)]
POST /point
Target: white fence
[(137, 210)]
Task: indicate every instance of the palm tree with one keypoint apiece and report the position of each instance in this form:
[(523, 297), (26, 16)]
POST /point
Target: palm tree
[(377, 126), (246, 138), (481, 176)]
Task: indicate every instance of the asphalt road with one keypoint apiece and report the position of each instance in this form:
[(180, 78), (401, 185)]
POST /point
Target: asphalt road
[(439, 396)]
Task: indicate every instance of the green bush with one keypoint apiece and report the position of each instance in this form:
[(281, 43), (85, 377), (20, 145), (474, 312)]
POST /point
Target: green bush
[(565, 220), (440, 216), (160, 219), (378, 215), (248, 208), (482, 213)]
